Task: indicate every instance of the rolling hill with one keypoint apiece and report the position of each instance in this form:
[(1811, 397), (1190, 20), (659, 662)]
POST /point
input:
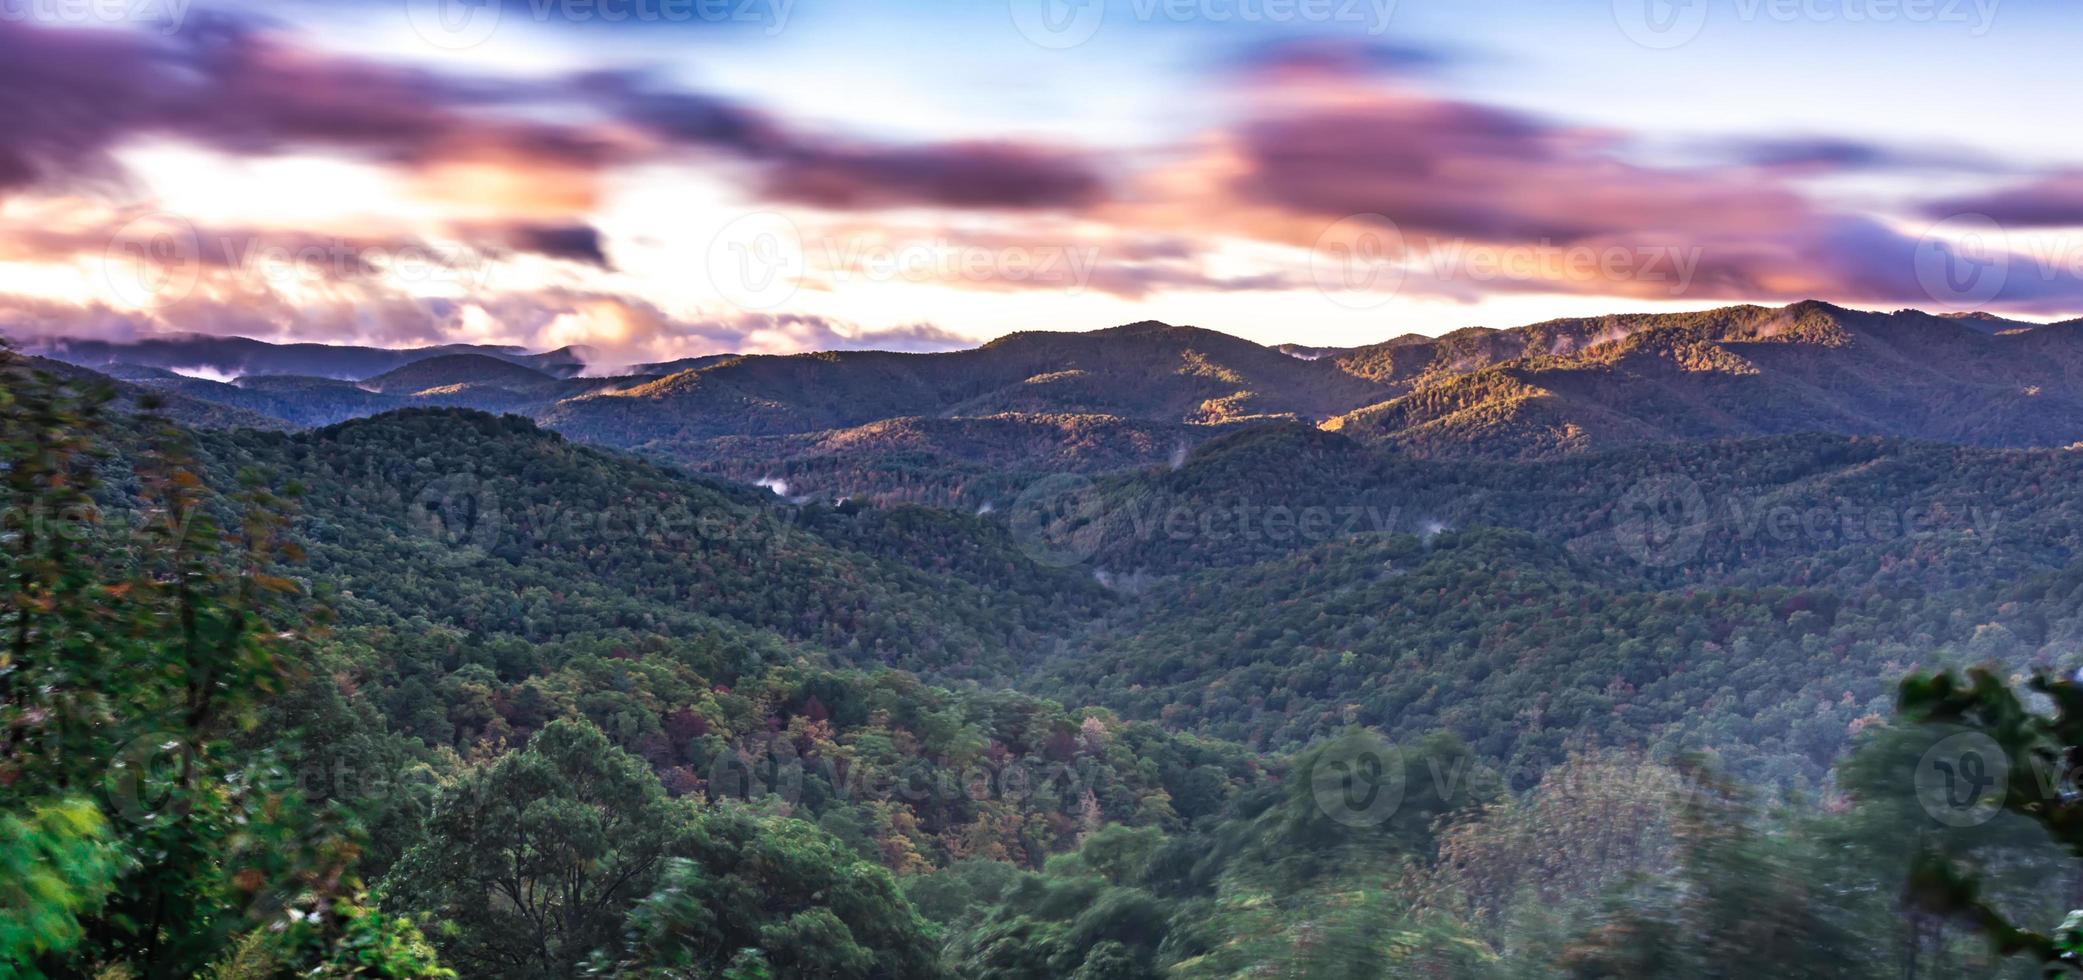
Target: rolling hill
[(960, 428), (231, 357), (457, 370), (1571, 385)]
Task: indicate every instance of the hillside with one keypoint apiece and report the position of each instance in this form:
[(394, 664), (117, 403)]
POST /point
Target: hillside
[(233, 357), (1573, 385), (1283, 576), (182, 403), (947, 462), (1147, 372), (496, 527), (457, 370), (962, 428), (1096, 704)]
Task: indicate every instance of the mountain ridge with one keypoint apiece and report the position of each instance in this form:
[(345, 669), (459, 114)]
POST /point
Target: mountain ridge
[(920, 426)]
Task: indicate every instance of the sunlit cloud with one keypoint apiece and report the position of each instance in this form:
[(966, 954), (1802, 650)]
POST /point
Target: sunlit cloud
[(245, 175)]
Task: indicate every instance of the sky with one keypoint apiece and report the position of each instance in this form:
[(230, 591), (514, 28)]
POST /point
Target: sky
[(654, 179)]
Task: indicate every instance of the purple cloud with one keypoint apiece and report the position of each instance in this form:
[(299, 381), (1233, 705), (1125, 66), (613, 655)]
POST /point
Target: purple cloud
[(2053, 201), (69, 97)]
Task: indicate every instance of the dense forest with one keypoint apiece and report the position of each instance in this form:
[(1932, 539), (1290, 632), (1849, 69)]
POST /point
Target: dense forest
[(443, 693)]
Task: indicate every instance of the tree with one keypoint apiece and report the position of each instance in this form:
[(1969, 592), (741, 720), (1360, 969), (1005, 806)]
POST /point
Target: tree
[(2040, 755), (136, 835), (531, 862), (798, 897), (1743, 902)]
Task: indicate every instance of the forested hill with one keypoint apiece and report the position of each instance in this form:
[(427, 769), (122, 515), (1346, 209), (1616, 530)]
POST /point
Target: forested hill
[(494, 527), (1807, 509), (1074, 723), (946, 428), (1742, 371), (1279, 584)]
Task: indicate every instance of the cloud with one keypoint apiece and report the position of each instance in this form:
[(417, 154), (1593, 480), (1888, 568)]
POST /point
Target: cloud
[(2053, 201), (1290, 58), (68, 98), (620, 331), (834, 172), (574, 242), (1458, 169), (1487, 200), (1833, 154), (615, 331), (25, 319), (74, 95), (980, 175), (1326, 129)]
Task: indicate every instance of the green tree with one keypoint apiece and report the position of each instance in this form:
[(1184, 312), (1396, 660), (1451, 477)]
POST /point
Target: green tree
[(2040, 755), (797, 896), (531, 862), (136, 835)]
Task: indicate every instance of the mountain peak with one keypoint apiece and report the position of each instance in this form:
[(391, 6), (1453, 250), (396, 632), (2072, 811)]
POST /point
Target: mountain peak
[(1142, 327), (1812, 306), (449, 370)]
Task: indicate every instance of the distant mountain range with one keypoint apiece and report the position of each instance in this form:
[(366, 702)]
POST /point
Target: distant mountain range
[(950, 427), (234, 357)]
